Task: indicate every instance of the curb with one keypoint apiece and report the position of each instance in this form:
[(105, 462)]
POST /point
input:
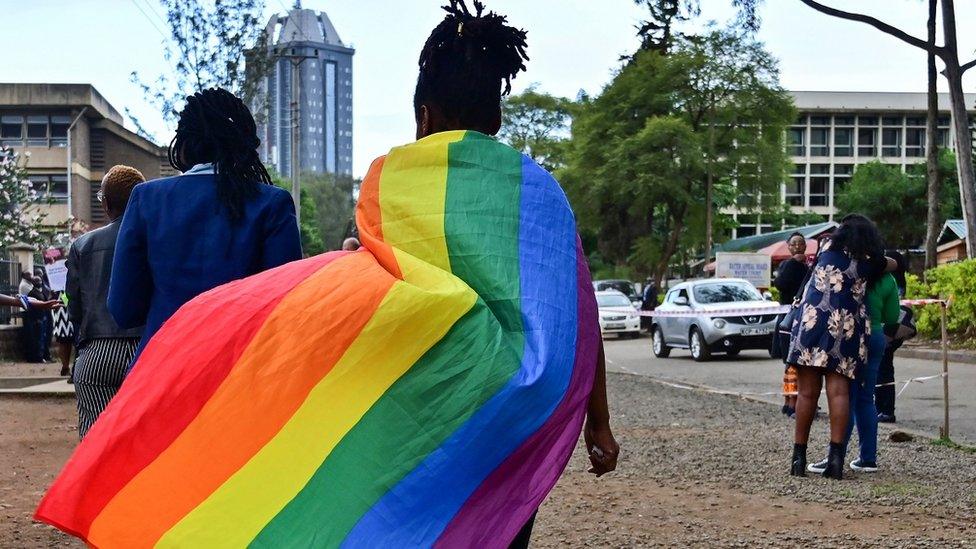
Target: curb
[(959, 357)]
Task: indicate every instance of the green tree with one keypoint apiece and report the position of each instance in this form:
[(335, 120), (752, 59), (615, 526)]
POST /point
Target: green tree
[(898, 201), (312, 243), (208, 46), (644, 153), (538, 124), (658, 31), (20, 219), (335, 204), (334, 197)]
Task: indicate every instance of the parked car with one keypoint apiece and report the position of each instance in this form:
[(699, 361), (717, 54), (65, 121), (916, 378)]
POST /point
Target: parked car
[(625, 287), (617, 314), (704, 333)]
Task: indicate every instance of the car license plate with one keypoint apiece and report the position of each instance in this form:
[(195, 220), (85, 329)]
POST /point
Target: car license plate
[(614, 325), (756, 331)]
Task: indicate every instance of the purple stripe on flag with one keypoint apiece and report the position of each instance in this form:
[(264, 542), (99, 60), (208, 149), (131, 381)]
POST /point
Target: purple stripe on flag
[(478, 523)]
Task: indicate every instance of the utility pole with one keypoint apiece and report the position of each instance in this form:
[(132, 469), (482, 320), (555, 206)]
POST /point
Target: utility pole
[(296, 55)]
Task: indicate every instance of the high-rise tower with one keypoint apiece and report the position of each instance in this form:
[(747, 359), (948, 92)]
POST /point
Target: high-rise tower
[(307, 40)]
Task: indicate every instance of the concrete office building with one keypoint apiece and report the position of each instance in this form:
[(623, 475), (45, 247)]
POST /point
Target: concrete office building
[(324, 95), (43, 119), (836, 131)]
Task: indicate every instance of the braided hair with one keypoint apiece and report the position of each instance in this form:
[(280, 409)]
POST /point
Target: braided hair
[(216, 126), (464, 63)]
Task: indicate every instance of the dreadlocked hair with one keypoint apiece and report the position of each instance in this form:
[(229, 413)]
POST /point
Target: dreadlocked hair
[(466, 60), (216, 126)]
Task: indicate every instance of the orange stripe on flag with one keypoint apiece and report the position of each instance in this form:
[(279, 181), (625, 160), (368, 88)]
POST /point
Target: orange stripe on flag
[(276, 374)]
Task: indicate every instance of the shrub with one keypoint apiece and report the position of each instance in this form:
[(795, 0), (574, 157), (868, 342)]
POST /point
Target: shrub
[(954, 281)]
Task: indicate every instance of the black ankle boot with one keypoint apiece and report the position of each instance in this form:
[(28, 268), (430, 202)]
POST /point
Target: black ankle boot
[(835, 462), (799, 466)]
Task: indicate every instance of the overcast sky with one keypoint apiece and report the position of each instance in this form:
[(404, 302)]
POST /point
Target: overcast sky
[(574, 44)]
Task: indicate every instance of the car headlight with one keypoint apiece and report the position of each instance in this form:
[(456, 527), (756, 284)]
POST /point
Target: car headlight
[(718, 323)]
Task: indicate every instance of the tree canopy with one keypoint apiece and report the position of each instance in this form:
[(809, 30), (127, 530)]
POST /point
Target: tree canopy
[(208, 46), (897, 201), (538, 124), (643, 151)]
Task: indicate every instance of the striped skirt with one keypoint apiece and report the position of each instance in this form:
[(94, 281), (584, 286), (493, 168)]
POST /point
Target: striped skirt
[(99, 372)]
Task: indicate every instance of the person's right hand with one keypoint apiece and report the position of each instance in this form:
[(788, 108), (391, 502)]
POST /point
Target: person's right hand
[(602, 448), (46, 305)]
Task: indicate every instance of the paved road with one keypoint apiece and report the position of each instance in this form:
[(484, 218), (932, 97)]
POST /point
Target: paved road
[(919, 407)]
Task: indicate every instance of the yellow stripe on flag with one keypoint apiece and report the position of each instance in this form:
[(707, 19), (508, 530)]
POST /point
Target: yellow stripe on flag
[(409, 321)]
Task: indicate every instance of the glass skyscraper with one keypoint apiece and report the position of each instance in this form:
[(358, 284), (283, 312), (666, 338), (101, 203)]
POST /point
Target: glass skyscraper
[(307, 39)]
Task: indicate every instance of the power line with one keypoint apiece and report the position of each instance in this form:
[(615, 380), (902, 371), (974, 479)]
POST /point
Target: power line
[(151, 22), (162, 20)]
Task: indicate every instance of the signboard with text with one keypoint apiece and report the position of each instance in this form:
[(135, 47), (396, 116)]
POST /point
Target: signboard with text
[(755, 268)]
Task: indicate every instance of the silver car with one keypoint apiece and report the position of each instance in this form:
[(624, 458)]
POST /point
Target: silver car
[(709, 330)]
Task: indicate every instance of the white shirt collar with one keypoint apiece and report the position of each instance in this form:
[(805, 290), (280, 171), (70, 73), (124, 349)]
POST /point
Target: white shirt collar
[(201, 169)]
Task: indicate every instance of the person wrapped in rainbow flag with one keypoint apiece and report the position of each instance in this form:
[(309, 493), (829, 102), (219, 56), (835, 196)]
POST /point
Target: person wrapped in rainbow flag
[(426, 389)]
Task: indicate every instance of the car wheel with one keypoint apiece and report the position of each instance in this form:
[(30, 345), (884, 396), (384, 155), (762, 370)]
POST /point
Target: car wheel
[(661, 350), (699, 349)]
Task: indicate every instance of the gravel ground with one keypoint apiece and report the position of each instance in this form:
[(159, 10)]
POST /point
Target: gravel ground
[(696, 470), (709, 470)]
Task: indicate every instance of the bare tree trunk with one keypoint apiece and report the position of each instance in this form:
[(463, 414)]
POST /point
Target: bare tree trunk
[(933, 225), (960, 126), (949, 53)]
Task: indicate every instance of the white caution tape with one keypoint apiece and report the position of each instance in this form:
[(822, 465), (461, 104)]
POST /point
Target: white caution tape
[(782, 309)]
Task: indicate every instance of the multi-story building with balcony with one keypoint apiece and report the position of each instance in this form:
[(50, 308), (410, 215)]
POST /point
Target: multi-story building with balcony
[(73, 136), (836, 131)]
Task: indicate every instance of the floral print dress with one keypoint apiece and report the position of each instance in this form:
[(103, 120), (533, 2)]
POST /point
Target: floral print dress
[(833, 326)]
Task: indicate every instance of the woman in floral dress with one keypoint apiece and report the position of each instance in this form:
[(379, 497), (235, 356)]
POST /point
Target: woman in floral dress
[(829, 337)]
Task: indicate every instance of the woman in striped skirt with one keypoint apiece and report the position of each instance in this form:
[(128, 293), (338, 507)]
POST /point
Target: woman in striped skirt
[(104, 349)]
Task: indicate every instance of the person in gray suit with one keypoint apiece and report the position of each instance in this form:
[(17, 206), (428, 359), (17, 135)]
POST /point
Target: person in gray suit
[(104, 349)]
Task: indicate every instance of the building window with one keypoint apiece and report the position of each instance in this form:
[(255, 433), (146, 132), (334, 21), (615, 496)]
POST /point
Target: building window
[(915, 142), (59, 130), (867, 120), (12, 129), (842, 176), (819, 120), (944, 138), (843, 120), (794, 185), (37, 131), (50, 187), (891, 142), (843, 141), (818, 142), (867, 142), (819, 184), (892, 121), (748, 226)]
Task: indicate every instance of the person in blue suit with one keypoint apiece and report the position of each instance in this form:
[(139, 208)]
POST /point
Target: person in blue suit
[(219, 221)]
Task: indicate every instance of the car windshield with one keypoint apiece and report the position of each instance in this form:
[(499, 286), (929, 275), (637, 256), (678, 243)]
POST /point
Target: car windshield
[(621, 286), (725, 292), (612, 300)]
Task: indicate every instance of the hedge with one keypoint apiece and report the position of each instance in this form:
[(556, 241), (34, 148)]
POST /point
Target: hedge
[(956, 281)]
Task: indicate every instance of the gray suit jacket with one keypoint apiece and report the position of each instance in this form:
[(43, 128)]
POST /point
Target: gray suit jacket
[(89, 272)]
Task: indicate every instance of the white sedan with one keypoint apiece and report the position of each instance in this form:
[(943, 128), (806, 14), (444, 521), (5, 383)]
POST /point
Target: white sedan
[(617, 314)]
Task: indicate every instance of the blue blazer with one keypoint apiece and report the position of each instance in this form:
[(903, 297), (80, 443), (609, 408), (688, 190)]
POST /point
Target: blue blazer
[(177, 241)]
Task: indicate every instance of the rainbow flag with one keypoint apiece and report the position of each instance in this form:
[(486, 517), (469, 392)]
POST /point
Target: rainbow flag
[(425, 390)]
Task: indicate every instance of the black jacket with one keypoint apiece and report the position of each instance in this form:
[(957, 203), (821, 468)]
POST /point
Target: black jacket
[(789, 277), (89, 272)]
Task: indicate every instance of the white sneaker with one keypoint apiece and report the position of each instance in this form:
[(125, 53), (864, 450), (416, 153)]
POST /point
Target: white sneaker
[(818, 467)]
